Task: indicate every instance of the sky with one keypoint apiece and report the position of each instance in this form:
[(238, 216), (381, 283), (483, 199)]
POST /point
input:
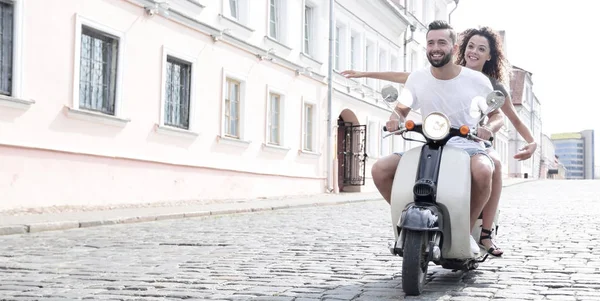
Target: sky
[(558, 42)]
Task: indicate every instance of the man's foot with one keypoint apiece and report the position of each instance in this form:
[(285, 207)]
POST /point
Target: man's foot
[(486, 242)]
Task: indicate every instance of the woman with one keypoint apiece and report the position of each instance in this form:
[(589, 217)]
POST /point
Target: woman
[(481, 50)]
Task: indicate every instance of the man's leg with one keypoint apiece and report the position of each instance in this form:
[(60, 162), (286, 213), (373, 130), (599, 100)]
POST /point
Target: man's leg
[(383, 172), (482, 169)]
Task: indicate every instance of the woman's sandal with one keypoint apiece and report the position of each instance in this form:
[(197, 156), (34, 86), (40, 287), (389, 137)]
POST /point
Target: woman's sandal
[(493, 248)]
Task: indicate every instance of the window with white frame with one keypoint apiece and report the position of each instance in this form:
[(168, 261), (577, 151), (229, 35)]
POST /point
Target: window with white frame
[(373, 138), (398, 143), (275, 119), (236, 10), (277, 24), (273, 19), (385, 143), (413, 60), (369, 61), (178, 79), (354, 51), (6, 47), (395, 68), (424, 11), (232, 109), (308, 128), (412, 7), (383, 64), (98, 71), (337, 65), (309, 23)]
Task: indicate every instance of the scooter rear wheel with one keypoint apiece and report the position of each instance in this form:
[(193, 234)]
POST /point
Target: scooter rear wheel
[(414, 262)]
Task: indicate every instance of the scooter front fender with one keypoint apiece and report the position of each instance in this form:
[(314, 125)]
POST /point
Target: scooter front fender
[(421, 218)]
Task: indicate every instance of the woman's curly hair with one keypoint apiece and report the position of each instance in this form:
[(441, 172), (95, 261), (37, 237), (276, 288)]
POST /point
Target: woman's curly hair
[(497, 67)]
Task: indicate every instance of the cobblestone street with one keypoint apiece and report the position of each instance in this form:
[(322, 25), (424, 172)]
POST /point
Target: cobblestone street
[(549, 231)]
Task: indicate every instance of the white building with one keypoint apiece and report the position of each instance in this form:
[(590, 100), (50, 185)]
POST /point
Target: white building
[(136, 101), (369, 43), (529, 109)]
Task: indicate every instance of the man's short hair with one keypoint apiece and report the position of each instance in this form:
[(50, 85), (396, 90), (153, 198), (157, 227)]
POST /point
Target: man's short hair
[(441, 24)]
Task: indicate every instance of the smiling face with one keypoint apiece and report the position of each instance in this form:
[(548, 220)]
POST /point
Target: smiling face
[(477, 52), (440, 47)]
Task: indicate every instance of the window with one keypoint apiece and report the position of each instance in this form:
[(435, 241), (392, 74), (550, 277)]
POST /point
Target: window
[(237, 12), (6, 48), (413, 60), (394, 67), (234, 8), (274, 24), (232, 108), (398, 143), (373, 131), (308, 26), (385, 142), (337, 64), (369, 61), (274, 128), (177, 93), (98, 71), (308, 143), (383, 64), (354, 52), (424, 11)]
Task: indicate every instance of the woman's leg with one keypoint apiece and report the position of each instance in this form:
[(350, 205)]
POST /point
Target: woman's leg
[(490, 208)]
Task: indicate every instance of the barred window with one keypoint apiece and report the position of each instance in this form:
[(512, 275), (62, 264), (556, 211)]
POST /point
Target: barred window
[(98, 71), (6, 47), (177, 98)]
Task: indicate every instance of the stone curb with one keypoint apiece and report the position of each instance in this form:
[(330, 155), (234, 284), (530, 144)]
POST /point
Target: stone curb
[(64, 225)]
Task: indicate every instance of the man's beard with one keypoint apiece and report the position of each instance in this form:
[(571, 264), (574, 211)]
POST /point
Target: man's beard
[(445, 60)]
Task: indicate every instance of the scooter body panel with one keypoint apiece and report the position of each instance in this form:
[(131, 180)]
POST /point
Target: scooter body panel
[(402, 188), (454, 197)]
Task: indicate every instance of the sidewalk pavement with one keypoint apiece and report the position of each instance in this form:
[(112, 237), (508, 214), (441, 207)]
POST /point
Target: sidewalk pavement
[(46, 220)]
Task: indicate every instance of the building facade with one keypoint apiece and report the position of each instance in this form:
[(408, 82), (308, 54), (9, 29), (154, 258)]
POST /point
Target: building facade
[(576, 152), (140, 101), (550, 165), (528, 108)]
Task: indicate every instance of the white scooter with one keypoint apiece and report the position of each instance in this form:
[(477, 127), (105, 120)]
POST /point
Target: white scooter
[(430, 201)]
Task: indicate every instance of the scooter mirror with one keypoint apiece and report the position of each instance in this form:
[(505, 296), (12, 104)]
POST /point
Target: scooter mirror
[(389, 93), (494, 101)]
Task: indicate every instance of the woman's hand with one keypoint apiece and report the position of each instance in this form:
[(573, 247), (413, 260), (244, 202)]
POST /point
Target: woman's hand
[(526, 151), (352, 74)]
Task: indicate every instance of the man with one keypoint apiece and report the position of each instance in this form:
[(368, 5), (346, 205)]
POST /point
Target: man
[(446, 87)]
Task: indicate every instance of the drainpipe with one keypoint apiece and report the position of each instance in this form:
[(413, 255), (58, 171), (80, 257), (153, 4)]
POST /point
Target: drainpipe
[(329, 97), (450, 14), (407, 41)]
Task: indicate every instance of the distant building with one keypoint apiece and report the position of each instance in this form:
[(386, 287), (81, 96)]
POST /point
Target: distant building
[(576, 152)]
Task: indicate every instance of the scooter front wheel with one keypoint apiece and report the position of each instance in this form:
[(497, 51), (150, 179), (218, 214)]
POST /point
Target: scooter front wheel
[(414, 262)]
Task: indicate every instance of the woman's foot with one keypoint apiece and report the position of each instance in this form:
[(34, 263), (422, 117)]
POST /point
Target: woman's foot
[(486, 242)]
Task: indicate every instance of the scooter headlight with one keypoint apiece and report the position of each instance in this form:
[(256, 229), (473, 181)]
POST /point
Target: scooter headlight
[(436, 126)]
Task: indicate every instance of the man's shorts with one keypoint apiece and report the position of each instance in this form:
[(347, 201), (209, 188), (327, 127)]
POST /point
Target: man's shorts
[(471, 151)]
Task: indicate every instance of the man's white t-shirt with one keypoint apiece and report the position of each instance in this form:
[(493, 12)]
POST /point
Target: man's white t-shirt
[(452, 97)]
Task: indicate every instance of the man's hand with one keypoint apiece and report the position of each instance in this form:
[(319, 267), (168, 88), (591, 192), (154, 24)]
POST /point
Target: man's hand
[(392, 125), (352, 74), (484, 133), (526, 152)]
